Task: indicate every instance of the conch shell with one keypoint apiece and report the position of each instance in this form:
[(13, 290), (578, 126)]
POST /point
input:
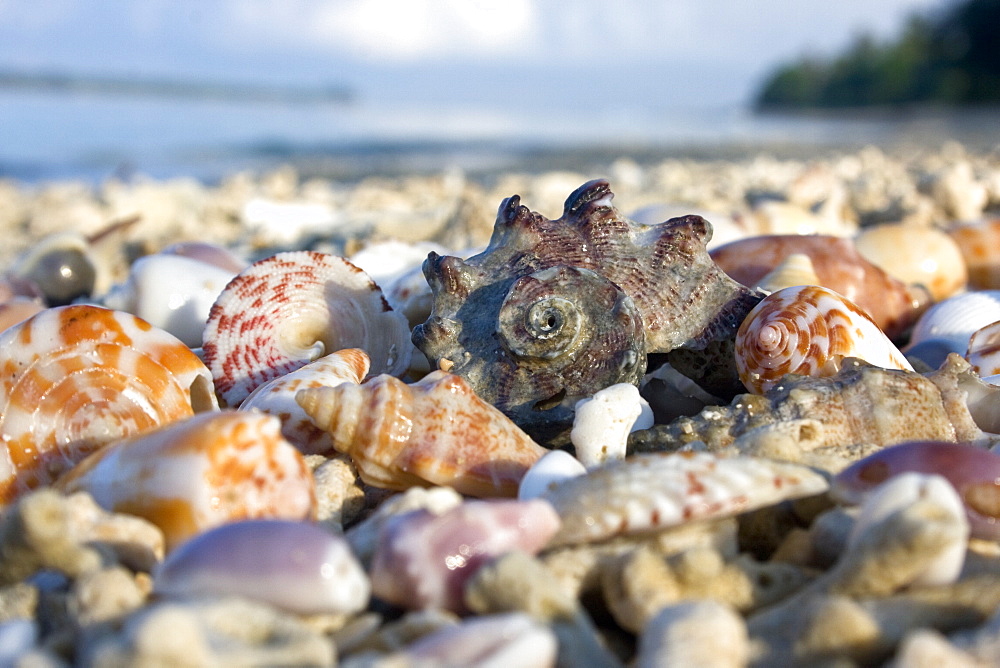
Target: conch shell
[(809, 330), (433, 432), (73, 378)]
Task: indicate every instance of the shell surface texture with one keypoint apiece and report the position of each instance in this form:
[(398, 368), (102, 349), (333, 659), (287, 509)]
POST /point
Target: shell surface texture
[(956, 319), (554, 310), (73, 378), (435, 431), (292, 308), (808, 330)]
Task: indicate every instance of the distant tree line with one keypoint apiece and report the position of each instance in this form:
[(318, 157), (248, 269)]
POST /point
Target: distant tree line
[(952, 58)]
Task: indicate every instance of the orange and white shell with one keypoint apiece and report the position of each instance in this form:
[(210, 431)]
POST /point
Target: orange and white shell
[(979, 243), (432, 432), (292, 308), (200, 472), (277, 397), (916, 254), (807, 330), (984, 350), (73, 378)]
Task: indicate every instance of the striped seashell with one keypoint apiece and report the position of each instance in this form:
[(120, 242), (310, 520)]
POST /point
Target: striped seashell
[(291, 309), (808, 330), (435, 431), (796, 269), (199, 473), (979, 243), (916, 254), (983, 352), (651, 492), (277, 397), (73, 378), (957, 318)]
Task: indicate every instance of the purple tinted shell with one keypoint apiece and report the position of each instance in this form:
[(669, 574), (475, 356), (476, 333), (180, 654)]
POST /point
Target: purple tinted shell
[(295, 566), (974, 472)]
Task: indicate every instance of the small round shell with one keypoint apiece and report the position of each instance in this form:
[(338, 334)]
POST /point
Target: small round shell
[(61, 266), (916, 254), (807, 330), (956, 318), (73, 378), (292, 308)]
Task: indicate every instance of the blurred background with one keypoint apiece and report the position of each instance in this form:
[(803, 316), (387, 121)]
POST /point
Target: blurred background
[(346, 88)]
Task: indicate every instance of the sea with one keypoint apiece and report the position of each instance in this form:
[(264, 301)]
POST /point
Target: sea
[(58, 135)]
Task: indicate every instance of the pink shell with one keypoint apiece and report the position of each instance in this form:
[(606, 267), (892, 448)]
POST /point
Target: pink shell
[(74, 378), (199, 473), (290, 309), (423, 560)]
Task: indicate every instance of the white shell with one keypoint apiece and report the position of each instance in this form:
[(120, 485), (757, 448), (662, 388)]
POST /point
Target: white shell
[(283, 223), (956, 318), (549, 471), (650, 492), (602, 423), (173, 292)]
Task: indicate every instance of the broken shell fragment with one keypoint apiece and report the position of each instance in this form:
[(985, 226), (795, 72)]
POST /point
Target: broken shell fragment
[(435, 431), (603, 422), (199, 473), (983, 352), (292, 308), (73, 378)]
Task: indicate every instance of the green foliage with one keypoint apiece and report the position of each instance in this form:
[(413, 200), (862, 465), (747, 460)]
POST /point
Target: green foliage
[(951, 59)]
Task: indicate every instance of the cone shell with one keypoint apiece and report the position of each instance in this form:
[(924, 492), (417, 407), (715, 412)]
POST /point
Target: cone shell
[(980, 246), (73, 378), (291, 309), (199, 473), (277, 397), (436, 431), (891, 303), (808, 330), (916, 254)]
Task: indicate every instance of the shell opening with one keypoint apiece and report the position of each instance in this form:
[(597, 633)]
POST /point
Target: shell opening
[(551, 402)]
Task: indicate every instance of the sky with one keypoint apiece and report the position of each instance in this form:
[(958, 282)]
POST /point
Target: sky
[(669, 53)]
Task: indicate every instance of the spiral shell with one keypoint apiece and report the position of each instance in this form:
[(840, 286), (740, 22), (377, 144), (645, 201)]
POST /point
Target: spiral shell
[(292, 308), (73, 378), (807, 330), (277, 397), (435, 431)]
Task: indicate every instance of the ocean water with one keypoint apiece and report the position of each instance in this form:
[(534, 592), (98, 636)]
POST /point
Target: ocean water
[(52, 135)]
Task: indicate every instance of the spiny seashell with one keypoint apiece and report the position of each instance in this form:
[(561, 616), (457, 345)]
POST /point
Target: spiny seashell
[(61, 266), (973, 472), (73, 378), (198, 473), (291, 309), (277, 397), (554, 467), (861, 404), (902, 491), (213, 254), (435, 431), (796, 269), (983, 352), (172, 292), (916, 254), (956, 318), (891, 303), (295, 566), (650, 492), (509, 639), (603, 422), (808, 330), (979, 243), (554, 310), (423, 560)]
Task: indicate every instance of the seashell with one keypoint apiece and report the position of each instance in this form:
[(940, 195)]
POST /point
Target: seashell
[(294, 566), (932, 352), (61, 266), (651, 492), (978, 243), (208, 253), (916, 254), (603, 422), (808, 330), (435, 431), (18, 309), (796, 269), (903, 490), (554, 310), (198, 473), (554, 467), (277, 397), (172, 292), (423, 560), (291, 309), (509, 639), (892, 304), (973, 472), (274, 222), (956, 318), (73, 378), (983, 352), (861, 404)]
